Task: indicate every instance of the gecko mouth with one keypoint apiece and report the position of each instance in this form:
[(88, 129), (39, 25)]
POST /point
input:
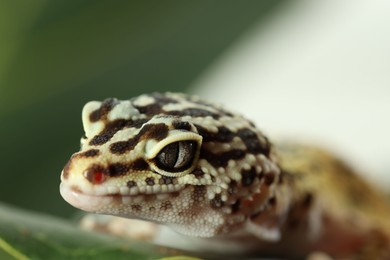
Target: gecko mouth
[(99, 201)]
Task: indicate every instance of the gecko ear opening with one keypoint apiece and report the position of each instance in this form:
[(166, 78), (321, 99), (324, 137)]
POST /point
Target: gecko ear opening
[(176, 155)]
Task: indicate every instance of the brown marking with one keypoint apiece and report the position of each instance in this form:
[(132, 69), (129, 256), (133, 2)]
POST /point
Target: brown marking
[(139, 165), (233, 189), (101, 138), (198, 173), (136, 207), (193, 112), (89, 153), (236, 206), (217, 202), (131, 184), (248, 176), (255, 215), (269, 179), (198, 194), (252, 124), (166, 205), (298, 212), (157, 131), (149, 181), (122, 147), (252, 142), (76, 189), (166, 180), (150, 110), (307, 200), (221, 159), (156, 107), (175, 194), (66, 170), (117, 169), (113, 127), (106, 106), (147, 131), (182, 125), (223, 134), (151, 198)]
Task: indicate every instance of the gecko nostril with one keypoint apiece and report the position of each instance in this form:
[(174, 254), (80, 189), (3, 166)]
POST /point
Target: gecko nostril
[(95, 174)]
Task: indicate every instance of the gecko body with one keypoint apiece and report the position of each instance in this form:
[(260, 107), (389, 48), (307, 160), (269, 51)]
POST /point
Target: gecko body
[(210, 173)]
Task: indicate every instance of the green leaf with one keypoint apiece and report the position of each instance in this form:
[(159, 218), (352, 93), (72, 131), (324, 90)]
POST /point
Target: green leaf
[(28, 235)]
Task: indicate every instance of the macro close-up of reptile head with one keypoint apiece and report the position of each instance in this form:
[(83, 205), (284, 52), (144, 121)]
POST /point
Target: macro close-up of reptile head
[(173, 159)]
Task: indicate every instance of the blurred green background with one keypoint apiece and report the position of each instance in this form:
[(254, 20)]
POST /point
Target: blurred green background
[(57, 55)]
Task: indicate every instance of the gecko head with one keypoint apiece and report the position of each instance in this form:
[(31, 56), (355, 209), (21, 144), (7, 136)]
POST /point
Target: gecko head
[(171, 159)]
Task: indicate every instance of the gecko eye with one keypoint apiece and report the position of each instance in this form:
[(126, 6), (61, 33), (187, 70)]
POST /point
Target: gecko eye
[(177, 156)]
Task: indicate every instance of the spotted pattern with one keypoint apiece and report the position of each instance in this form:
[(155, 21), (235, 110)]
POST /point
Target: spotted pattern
[(123, 138), (90, 153)]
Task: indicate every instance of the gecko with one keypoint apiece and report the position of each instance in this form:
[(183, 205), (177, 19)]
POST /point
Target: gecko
[(212, 175)]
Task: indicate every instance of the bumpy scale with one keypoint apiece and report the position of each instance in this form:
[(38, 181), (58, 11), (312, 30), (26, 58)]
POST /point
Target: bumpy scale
[(210, 173)]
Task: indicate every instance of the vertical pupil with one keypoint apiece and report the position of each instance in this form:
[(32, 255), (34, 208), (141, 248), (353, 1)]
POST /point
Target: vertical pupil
[(176, 156), (168, 155)]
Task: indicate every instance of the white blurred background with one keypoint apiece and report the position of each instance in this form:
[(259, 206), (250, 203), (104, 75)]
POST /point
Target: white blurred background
[(318, 71)]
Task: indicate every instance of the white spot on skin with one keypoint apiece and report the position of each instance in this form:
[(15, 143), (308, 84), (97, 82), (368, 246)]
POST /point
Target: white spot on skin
[(224, 185), (112, 189), (251, 158), (231, 164), (164, 188), (123, 110), (210, 195), (124, 190), (142, 189), (149, 189), (156, 188), (221, 170), (246, 166), (134, 190), (143, 100)]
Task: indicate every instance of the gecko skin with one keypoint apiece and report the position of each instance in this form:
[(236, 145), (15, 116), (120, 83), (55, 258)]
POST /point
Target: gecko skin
[(207, 172)]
